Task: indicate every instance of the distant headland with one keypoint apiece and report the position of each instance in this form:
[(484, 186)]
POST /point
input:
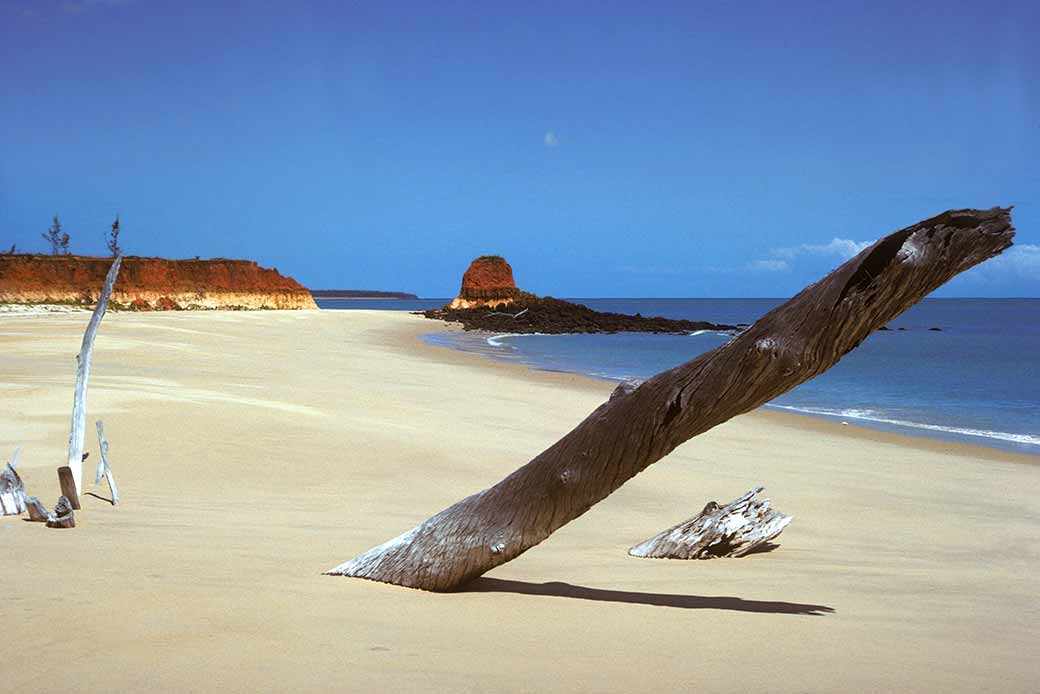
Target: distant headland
[(149, 284), (359, 294)]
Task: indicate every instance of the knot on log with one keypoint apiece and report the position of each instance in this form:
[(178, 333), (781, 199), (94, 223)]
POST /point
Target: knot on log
[(627, 386)]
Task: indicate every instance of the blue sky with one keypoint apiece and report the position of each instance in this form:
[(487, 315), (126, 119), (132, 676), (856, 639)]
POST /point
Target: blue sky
[(606, 149)]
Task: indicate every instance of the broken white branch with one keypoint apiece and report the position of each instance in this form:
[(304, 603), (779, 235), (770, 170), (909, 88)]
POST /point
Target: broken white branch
[(511, 315), (79, 401), (738, 528), (12, 492), (103, 467)]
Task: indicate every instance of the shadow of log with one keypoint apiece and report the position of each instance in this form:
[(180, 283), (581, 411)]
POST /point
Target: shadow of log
[(686, 602), (98, 496)]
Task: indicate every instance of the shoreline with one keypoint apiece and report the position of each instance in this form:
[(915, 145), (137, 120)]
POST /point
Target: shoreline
[(255, 450), (802, 421)]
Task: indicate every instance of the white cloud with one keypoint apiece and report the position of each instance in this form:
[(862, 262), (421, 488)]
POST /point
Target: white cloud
[(1018, 262), (550, 139), (769, 265), (842, 248), (781, 259)]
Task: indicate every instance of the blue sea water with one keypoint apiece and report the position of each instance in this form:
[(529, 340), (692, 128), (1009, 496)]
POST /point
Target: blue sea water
[(977, 381)]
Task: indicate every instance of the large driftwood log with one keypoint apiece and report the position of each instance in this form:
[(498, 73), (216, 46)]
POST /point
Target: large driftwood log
[(789, 345), (740, 527), (12, 492), (79, 401), (103, 466)]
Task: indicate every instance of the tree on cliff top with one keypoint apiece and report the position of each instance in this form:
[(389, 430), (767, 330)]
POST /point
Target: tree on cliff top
[(58, 240), (113, 239)]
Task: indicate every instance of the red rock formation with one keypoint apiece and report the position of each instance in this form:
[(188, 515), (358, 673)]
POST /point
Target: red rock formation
[(149, 283), (487, 282)]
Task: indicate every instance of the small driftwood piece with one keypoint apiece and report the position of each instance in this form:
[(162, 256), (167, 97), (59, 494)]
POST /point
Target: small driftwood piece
[(68, 485), (38, 513), (740, 527), (12, 492), (79, 401), (63, 516), (789, 345), (510, 315), (103, 468)]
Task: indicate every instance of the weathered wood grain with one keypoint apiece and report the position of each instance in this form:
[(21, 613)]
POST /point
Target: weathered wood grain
[(67, 482), (79, 400), (791, 344), (63, 516), (740, 527), (38, 513)]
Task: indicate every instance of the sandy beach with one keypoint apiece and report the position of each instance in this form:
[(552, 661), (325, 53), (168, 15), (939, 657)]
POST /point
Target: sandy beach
[(254, 450)]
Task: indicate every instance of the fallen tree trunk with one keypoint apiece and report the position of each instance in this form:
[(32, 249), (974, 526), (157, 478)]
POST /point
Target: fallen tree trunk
[(79, 401), (789, 345), (740, 527)]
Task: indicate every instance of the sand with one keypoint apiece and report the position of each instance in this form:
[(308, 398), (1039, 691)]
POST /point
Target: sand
[(254, 450)]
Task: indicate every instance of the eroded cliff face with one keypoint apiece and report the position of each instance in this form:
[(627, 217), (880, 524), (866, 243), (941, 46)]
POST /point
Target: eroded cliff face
[(149, 284), (487, 282)]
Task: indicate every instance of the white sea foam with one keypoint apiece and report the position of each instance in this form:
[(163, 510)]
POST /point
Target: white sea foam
[(495, 340), (873, 416)]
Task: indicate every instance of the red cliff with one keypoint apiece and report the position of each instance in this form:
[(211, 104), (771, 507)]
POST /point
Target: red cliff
[(149, 283), (487, 282)]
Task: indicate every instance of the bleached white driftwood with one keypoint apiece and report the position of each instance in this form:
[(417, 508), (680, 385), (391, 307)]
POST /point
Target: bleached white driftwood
[(103, 467), (63, 517), (79, 401), (12, 492), (14, 459), (37, 511), (741, 526)]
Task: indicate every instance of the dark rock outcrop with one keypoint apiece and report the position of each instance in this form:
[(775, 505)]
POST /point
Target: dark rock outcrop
[(490, 301)]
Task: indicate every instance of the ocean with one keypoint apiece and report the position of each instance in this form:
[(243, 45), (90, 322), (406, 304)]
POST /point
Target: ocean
[(977, 380)]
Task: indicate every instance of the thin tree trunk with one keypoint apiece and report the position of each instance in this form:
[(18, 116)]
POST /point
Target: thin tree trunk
[(79, 401), (789, 345), (103, 467)]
